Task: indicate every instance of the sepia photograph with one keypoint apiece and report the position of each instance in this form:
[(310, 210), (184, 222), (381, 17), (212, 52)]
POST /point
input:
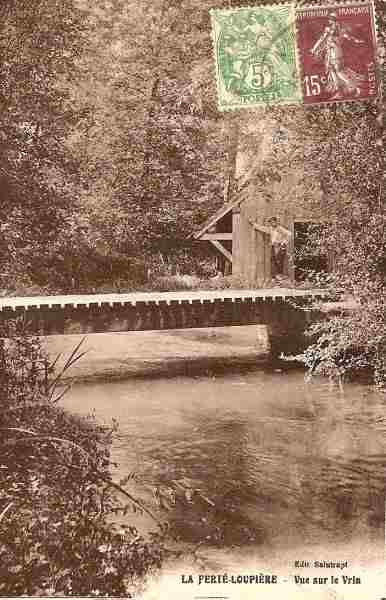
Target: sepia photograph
[(192, 299)]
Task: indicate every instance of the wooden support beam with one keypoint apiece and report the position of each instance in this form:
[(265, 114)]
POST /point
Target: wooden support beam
[(217, 236), (221, 249), (236, 250), (227, 187)]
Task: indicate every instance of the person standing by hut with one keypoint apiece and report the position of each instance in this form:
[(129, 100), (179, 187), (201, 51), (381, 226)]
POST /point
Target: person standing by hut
[(280, 238)]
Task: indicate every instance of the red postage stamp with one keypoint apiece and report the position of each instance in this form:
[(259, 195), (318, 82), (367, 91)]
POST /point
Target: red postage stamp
[(337, 52)]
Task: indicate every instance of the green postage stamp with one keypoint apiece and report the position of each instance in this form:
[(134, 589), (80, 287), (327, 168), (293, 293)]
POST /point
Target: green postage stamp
[(255, 56)]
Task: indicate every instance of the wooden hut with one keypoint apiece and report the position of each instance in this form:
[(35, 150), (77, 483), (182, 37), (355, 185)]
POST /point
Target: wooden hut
[(265, 178), (239, 233)]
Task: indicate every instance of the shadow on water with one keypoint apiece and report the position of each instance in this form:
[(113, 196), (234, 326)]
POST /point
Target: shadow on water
[(207, 504), (253, 457), (300, 468)]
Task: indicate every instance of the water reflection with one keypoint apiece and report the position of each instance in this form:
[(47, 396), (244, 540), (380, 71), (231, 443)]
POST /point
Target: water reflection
[(253, 458)]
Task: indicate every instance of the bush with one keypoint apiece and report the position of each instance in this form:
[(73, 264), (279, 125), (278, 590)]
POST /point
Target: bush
[(59, 508)]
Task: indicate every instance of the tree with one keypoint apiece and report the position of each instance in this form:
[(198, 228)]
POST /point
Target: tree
[(151, 162), (39, 43), (351, 172)]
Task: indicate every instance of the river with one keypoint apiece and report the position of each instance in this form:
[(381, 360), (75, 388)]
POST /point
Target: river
[(251, 461)]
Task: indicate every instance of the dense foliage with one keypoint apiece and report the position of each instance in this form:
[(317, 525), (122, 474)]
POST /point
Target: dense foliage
[(38, 43), (61, 525), (351, 171)]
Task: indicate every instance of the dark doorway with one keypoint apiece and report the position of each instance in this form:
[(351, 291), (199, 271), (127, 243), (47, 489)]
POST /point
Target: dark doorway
[(306, 261)]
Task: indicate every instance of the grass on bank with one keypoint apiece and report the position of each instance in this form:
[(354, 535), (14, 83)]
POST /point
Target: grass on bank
[(169, 283)]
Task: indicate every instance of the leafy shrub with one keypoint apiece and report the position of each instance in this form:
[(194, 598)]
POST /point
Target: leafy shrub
[(347, 345)]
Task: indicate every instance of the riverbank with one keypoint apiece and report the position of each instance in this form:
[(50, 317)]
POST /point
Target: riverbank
[(115, 356)]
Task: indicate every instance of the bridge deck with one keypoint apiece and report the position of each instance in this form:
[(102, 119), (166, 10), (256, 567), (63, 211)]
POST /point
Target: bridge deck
[(157, 297)]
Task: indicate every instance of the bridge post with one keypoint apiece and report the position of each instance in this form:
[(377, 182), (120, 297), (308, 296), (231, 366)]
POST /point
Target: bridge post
[(286, 329)]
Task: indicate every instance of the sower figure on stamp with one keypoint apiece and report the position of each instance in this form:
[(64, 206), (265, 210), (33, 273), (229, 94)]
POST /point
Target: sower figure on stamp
[(340, 79), (280, 238)]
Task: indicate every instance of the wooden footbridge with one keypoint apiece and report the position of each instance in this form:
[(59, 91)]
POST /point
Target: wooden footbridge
[(285, 311)]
